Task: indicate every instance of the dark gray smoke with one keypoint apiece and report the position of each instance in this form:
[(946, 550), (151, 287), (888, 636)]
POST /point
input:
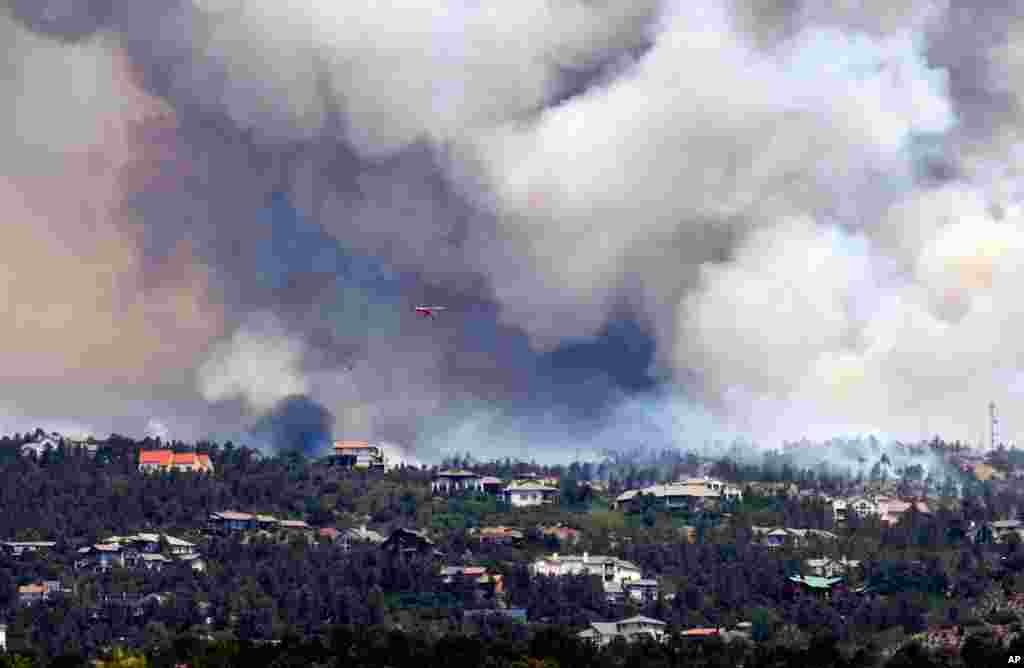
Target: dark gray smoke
[(296, 423)]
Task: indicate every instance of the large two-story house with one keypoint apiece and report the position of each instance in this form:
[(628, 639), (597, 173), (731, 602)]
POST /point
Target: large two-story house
[(679, 495), (163, 461), (524, 494), (359, 455), (455, 481), (826, 567), (888, 510), (609, 569), (603, 633)]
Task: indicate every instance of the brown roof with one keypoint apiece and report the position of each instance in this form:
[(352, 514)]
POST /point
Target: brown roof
[(352, 445), (32, 589)]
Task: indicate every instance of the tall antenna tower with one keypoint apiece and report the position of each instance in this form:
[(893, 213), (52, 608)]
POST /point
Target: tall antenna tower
[(993, 421)]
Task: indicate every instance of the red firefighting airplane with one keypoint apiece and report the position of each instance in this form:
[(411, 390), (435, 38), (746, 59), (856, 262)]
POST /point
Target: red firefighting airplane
[(428, 311)]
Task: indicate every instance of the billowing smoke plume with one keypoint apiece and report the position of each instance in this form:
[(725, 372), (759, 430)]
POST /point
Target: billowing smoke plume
[(810, 213), (296, 423), (260, 364)]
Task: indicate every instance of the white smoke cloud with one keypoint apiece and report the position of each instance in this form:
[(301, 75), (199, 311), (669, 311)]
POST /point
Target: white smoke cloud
[(157, 429), (407, 69), (640, 176), (260, 363)]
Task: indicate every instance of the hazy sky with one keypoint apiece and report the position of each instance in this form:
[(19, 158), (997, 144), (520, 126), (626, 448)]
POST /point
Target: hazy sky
[(653, 222)]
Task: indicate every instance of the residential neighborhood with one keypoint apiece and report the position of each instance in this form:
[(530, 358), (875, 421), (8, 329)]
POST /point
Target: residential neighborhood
[(531, 547)]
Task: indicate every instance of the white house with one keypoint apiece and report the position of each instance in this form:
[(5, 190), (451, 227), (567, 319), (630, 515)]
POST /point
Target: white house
[(37, 447), (17, 548), (524, 494), (642, 591), (862, 506), (831, 568), (3, 637), (603, 633), (456, 481), (609, 569)]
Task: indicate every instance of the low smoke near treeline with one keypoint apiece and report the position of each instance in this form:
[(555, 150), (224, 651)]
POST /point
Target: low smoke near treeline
[(656, 223)]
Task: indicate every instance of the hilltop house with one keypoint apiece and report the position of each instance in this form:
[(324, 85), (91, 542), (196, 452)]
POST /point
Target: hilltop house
[(17, 548), (603, 633), (776, 537), (146, 550), (151, 461), (682, 494), (499, 535), (487, 586), (37, 592), (862, 506), (150, 543), (456, 481), (827, 567), (40, 445), (43, 443), (609, 569), (886, 509), (359, 455), (644, 590), (523, 494)]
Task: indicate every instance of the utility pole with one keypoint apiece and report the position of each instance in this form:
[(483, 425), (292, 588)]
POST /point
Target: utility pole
[(993, 426)]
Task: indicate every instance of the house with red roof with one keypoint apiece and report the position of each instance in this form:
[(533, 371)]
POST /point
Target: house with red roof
[(153, 461)]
